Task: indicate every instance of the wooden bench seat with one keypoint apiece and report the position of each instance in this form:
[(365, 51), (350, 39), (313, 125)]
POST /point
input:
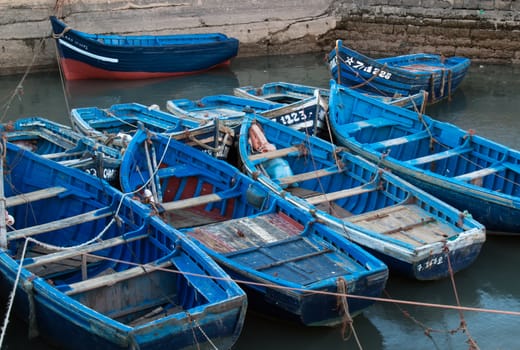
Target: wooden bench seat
[(34, 196), (60, 224), (400, 140), (70, 253), (62, 154), (199, 200), (191, 202), (314, 174), (349, 192), (374, 123), (262, 157), (438, 156), (113, 278), (480, 173)]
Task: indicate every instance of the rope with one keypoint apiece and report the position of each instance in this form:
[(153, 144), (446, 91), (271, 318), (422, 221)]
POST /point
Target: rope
[(323, 292), (347, 318), (365, 81), (194, 321), (18, 91), (11, 298), (463, 325)]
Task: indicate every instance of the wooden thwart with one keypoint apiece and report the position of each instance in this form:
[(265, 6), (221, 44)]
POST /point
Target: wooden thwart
[(480, 173), (59, 224), (34, 196), (274, 154), (373, 122), (438, 156), (191, 202), (327, 197), (70, 253), (62, 154), (113, 278), (314, 174), (400, 140)]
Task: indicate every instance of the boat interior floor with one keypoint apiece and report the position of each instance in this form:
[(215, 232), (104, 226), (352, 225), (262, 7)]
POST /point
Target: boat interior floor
[(404, 222), (226, 236)]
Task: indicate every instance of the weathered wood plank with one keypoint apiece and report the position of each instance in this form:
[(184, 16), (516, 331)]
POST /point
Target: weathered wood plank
[(438, 156), (59, 224), (61, 154), (477, 174), (191, 202), (67, 254), (246, 232), (400, 140), (349, 192), (113, 278), (274, 154), (34, 196), (314, 174)]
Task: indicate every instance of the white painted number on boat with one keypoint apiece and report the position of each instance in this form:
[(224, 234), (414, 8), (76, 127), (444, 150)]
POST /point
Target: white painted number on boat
[(360, 65), (438, 260), (108, 174), (294, 117)]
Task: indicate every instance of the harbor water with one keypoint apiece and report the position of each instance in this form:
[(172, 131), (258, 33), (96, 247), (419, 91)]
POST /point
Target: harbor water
[(489, 290)]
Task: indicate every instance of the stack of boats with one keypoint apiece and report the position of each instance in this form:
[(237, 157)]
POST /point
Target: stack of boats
[(309, 227)]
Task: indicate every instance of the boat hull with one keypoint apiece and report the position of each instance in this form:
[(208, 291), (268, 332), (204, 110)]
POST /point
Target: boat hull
[(88, 282), (90, 56), (474, 174), (401, 75)]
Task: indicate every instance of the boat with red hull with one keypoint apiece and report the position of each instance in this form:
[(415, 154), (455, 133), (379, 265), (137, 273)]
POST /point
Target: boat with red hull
[(97, 56)]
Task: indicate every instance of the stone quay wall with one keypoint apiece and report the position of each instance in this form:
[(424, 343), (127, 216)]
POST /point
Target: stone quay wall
[(483, 30)]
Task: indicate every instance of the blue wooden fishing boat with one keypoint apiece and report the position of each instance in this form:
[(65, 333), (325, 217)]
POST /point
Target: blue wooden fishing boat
[(305, 115), (61, 144), (296, 95), (228, 109), (468, 171), (116, 125), (97, 56), (304, 105), (288, 263), (403, 75), (414, 233), (92, 269)]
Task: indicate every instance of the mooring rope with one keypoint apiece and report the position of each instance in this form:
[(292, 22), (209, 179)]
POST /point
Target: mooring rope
[(11, 297), (208, 339), (18, 91), (348, 322)]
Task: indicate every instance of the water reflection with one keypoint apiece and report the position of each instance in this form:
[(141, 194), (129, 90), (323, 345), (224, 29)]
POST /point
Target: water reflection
[(104, 93)]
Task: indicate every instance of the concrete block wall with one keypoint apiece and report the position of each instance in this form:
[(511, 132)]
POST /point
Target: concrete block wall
[(484, 30)]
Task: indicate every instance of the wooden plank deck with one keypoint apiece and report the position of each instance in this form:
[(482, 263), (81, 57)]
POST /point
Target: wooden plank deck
[(247, 232), (406, 222)]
